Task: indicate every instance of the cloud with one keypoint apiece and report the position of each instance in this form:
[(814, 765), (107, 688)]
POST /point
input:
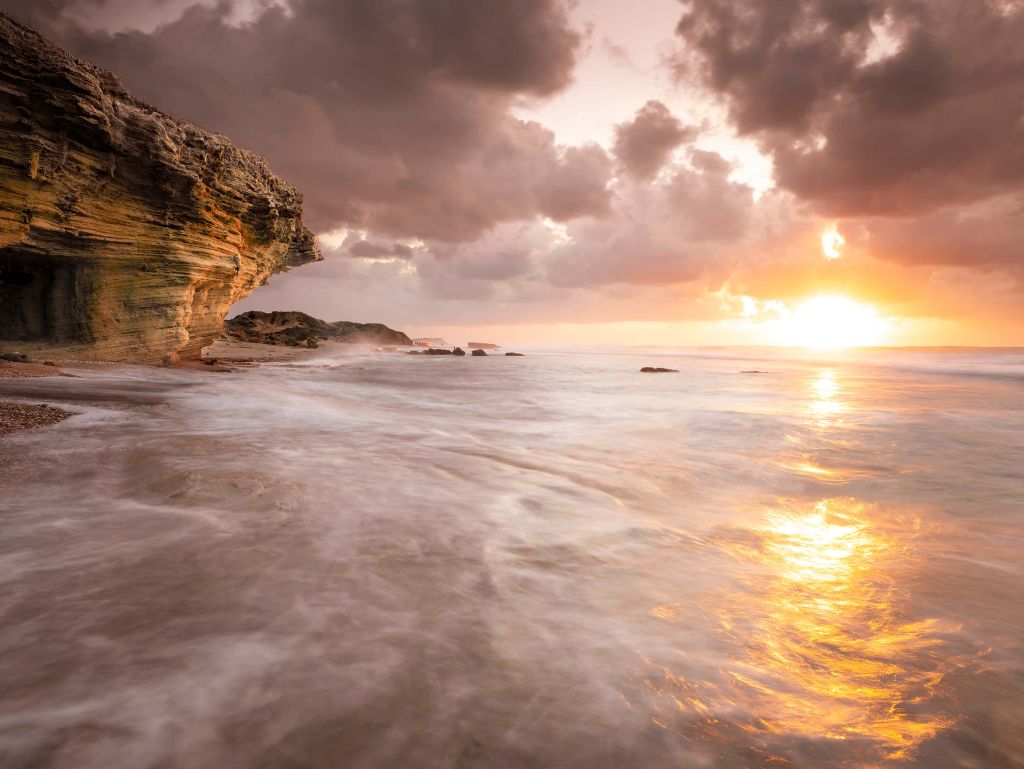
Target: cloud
[(578, 184), (871, 107), (691, 224), (368, 249), (390, 116), (643, 144)]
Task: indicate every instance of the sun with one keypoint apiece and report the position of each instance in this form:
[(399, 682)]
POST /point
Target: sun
[(832, 243), (831, 321)]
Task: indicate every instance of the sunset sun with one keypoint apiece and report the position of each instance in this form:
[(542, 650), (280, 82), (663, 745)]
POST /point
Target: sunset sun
[(831, 321)]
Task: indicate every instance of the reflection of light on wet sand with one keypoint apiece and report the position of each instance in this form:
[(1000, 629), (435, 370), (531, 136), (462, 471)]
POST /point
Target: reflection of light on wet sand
[(819, 647)]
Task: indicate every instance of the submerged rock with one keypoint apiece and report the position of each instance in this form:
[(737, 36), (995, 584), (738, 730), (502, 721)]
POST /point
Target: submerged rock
[(479, 353), (295, 328), (658, 370), (125, 233)]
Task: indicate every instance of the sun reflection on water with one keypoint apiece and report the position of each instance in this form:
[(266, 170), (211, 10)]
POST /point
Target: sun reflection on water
[(821, 647), (833, 649), (825, 391)]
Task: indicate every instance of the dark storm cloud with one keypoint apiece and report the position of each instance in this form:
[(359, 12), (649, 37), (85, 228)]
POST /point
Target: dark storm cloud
[(368, 249), (890, 107), (643, 144), (392, 115)]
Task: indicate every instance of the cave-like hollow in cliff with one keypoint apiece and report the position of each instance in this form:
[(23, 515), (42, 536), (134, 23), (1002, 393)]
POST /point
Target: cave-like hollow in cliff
[(45, 299)]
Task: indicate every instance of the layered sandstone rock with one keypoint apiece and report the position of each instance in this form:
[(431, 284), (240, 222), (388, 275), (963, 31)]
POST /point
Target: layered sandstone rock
[(125, 233)]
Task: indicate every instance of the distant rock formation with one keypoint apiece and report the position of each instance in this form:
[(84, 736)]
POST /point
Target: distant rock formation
[(513, 355), (297, 329), (458, 351), (658, 370), (482, 346), (125, 233)]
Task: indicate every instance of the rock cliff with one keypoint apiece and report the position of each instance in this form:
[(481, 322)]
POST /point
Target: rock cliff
[(125, 233), (296, 329)]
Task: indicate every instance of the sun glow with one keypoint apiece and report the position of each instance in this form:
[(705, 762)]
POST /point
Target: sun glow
[(832, 243), (829, 321)]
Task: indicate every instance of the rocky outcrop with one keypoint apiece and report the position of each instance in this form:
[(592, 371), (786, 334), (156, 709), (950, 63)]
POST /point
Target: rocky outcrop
[(125, 233), (296, 329), (658, 370)]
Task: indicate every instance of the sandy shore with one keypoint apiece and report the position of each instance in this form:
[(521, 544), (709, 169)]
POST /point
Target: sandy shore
[(10, 370)]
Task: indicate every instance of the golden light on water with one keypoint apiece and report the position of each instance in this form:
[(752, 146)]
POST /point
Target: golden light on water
[(833, 653), (825, 391), (830, 321), (818, 639), (822, 648)]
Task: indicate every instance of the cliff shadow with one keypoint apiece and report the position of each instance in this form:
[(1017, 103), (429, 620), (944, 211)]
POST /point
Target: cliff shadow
[(45, 298)]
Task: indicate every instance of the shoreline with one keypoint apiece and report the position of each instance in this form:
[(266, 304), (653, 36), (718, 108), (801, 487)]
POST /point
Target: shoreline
[(223, 356)]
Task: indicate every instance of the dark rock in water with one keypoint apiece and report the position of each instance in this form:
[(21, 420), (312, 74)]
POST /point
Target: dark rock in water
[(513, 355), (753, 371), (126, 233), (658, 370), (458, 351), (295, 328), (312, 343), (414, 352), (14, 357), (441, 351), (479, 353)]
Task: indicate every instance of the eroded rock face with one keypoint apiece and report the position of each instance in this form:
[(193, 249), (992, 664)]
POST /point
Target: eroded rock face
[(125, 233), (297, 329)]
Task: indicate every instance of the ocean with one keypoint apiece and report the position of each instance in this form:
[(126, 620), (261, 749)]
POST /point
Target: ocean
[(380, 560)]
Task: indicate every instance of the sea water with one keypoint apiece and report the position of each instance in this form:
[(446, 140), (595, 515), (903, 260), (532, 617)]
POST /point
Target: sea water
[(382, 560)]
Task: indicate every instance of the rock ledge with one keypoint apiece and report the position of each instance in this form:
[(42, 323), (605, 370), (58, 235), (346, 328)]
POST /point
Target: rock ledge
[(125, 233)]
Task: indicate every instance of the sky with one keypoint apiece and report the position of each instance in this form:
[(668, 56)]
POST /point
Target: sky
[(813, 172)]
